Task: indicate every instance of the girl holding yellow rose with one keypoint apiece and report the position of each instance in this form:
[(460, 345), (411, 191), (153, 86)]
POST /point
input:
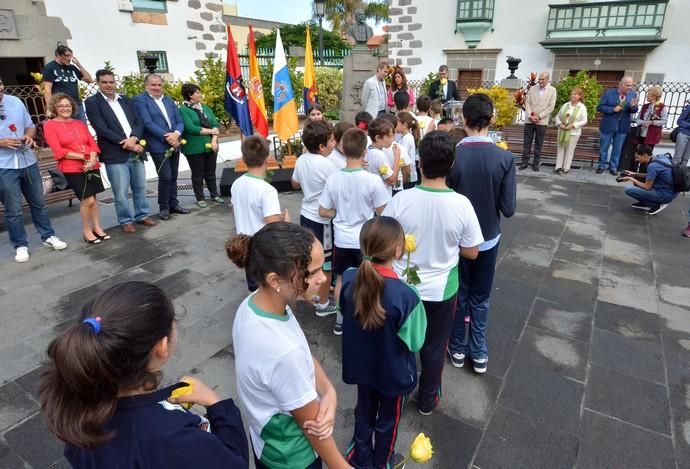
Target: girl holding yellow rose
[(384, 325)]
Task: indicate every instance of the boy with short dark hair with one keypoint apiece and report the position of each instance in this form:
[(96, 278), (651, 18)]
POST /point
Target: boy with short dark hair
[(446, 124), (350, 197), (485, 174), (444, 226), (653, 190), (310, 174), (255, 202), (337, 155), (382, 136)]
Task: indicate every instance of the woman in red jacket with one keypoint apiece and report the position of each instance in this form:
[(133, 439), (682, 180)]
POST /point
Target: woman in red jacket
[(77, 155)]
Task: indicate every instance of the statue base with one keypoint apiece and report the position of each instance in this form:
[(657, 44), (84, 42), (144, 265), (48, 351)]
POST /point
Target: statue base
[(357, 68)]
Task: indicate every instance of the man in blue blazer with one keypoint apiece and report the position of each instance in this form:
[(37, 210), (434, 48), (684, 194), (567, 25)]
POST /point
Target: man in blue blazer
[(162, 129), (119, 131), (617, 105)]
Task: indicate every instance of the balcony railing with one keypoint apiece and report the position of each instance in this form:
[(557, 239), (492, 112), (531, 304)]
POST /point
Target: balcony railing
[(475, 10), (608, 21)]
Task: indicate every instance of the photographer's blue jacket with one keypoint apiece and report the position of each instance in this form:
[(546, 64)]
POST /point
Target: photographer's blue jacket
[(152, 433), (615, 122)]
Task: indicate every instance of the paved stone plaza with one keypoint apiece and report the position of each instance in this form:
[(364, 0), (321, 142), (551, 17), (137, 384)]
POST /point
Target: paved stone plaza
[(589, 330)]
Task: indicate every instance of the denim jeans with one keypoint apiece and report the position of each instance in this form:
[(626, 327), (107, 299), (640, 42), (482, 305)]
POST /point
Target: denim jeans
[(476, 281), (122, 176), (14, 183), (167, 179), (682, 149), (650, 197), (79, 112), (617, 139)]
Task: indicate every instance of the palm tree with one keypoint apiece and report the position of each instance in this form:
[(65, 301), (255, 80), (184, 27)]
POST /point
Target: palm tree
[(341, 13)]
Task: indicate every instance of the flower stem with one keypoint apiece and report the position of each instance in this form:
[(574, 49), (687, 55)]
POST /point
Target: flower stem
[(402, 463)]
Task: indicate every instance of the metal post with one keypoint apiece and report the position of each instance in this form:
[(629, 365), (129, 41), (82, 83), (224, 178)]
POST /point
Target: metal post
[(320, 41)]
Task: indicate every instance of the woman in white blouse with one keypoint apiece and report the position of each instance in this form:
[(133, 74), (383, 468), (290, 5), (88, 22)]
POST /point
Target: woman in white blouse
[(569, 121)]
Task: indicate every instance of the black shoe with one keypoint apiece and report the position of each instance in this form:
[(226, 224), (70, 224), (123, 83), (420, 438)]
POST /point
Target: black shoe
[(535, 168), (164, 215), (613, 172), (180, 210), (654, 209), (523, 166), (600, 170)]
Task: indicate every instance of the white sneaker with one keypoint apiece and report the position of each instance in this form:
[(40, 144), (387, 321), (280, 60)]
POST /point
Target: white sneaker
[(55, 243), (325, 309), (22, 254)]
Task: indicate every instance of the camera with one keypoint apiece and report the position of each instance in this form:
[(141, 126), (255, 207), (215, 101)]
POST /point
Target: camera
[(620, 179)]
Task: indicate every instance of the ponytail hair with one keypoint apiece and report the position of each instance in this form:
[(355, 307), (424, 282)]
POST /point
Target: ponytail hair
[(280, 247), (105, 353), (379, 239), (411, 123)]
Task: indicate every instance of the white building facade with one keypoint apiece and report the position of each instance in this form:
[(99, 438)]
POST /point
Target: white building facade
[(646, 39)]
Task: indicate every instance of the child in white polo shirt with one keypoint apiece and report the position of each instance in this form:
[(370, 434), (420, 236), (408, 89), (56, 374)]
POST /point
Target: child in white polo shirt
[(381, 133), (351, 196), (310, 174), (444, 225), (255, 202)]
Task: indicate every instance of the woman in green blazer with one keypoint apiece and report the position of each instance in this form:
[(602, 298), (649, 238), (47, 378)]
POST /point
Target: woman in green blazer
[(201, 149)]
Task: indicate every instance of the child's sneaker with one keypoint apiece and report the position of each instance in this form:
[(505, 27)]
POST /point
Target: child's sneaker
[(480, 364), (457, 359), (55, 243), (425, 413), (325, 309), (338, 328)]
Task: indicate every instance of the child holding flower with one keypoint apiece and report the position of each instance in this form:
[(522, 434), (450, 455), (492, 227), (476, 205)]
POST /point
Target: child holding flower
[(382, 137), (384, 325), (445, 226)]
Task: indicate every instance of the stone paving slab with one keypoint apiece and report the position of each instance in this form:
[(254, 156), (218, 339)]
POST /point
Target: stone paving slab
[(589, 330)]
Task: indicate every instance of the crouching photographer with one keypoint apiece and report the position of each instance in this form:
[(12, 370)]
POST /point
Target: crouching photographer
[(654, 189)]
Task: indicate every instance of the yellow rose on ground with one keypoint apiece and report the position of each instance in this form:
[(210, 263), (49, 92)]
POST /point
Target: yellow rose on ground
[(183, 391), (142, 142), (410, 243), (421, 449), (383, 170)]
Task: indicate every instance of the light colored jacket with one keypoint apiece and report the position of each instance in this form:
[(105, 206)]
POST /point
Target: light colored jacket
[(580, 119), (542, 104), (373, 96)]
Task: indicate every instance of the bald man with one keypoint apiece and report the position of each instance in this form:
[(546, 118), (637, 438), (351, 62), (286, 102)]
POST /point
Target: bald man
[(617, 105), (539, 104)]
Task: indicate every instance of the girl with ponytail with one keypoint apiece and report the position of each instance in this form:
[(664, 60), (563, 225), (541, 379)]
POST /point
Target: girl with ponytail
[(99, 394), (285, 391), (384, 324)]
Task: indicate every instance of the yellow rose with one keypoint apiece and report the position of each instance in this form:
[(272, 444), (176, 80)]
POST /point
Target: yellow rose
[(421, 450), (183, 142), (183, 391), (502, 144), (410, 243), (444, 81), (142, 142), (383, 170), (208, 146), (422, 125)]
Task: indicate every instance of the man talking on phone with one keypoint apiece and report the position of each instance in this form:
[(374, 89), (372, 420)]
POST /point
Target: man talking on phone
[(617, 106), (62, 75)]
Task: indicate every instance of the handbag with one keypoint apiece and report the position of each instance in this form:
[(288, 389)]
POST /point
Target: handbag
[(59, 180), (47, 182), (674, 134)]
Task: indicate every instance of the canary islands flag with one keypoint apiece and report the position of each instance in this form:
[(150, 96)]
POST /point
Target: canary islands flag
[(285, 121), (310, 91), (236, 102)]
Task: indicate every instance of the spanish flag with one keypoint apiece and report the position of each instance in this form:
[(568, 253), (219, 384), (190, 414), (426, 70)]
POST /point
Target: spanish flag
[(310, 91), (257, 107), (285, 121)]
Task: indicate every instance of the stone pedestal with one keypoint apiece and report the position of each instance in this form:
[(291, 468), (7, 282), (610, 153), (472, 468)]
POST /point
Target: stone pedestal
[(357, 68)]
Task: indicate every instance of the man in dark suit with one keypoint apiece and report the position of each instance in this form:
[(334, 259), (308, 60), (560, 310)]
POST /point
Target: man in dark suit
[(442, 88), (617, 105), (119, 131), (162, 129)]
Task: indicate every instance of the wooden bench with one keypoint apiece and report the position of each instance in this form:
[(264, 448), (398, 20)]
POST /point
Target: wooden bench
[(46, 162), (587, 146)]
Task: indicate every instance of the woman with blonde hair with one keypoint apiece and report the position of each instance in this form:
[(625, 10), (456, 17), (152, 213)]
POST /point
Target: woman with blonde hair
[(652, 118), (569, 121)]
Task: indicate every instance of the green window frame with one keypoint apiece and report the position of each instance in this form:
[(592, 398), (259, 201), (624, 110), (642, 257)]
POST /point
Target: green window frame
[(475, 10), (161, 66), (157, 6)]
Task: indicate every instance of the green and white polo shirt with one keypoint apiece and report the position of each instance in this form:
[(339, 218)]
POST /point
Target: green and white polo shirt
[(275, 375)]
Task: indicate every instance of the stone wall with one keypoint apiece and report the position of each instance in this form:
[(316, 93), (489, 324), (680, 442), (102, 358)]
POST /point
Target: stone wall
[(205, 22), (37, 34), (474, 59), (404, 47), (630, 60)]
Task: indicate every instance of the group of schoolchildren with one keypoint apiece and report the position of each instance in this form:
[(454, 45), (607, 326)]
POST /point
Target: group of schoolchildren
[(366, 186)]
